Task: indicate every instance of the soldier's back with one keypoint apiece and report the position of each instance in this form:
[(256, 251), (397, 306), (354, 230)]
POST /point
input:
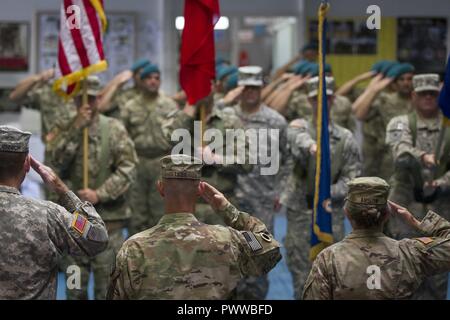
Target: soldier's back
[(29, 256), (370, 265), (180, 258)]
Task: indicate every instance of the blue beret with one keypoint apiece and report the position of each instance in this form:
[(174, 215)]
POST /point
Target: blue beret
[(141, 63), (399, 69), (232, 81), (149, 69), (377, 66), (388, 65), (224, 71)]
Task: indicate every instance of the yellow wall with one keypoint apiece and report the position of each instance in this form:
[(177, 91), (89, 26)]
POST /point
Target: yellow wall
[(345, 67)]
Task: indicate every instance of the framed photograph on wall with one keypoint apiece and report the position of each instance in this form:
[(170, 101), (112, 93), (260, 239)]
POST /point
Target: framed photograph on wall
[(119, 42), (14, 46)]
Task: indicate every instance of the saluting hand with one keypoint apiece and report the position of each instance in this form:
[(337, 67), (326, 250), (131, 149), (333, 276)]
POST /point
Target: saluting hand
[(212, 196), (404, 214), (49, 177)]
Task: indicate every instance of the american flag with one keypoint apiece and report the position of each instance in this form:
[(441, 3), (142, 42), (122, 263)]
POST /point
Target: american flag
[(80, 47)]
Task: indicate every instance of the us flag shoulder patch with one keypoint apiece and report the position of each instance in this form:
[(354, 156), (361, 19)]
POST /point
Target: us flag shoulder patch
[(79, 222), (252, 241)]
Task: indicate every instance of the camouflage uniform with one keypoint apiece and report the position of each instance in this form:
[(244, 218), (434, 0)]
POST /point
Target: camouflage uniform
[(150, 122), (120, 99), (35, 233), (223, 176), (342, 271), (410, 172), (55, 112), (298, 194), (183, 258), (340, 113), (112, 167), (377, 158), (251, 186)]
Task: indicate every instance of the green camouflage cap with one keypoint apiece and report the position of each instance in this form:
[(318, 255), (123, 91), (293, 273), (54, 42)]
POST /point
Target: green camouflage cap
[(180, 166), (93, 86), (426, 82), (13, 140), (312, 86), (250, 76), (368, 191)]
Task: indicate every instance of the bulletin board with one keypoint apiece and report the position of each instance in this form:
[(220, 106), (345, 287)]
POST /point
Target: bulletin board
[(422, 42), (119, 42)]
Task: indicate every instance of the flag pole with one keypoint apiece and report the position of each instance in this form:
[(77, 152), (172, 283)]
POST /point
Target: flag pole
[(85, 142)]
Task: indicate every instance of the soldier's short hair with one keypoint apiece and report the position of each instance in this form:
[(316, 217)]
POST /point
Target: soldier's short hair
[(11, 164), (366, 216)]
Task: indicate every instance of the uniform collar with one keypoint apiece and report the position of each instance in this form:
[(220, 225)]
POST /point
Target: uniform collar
[(366, 233), (9, 189), (184, 217), (434, 123)]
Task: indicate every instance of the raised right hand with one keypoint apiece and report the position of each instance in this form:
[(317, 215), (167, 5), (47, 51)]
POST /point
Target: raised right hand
[(49, 177)]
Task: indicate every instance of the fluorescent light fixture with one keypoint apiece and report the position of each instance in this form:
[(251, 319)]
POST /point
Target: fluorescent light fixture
[(222, 24)]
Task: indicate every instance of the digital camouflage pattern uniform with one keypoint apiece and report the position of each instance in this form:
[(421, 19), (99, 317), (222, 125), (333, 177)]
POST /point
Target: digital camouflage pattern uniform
[(343, 270), (376, 156), (112, 168), (150, 123), (299, 191), (410, 137), (341, 113), (35, 233), (120, 99), (223, 176), (183, 258)]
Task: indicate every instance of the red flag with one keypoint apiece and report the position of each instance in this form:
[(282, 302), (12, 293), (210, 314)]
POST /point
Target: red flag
[(197, 48)]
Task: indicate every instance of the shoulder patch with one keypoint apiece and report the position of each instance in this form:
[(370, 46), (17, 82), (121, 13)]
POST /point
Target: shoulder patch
[(79, 223), (252, 241), (425, 240)]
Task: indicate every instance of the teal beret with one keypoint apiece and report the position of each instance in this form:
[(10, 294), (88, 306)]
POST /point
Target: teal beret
[(232, 81), (313, 69), (301, 67), (141, 63), (224, 71), (149, 69), (400, 69), (388, 65), (381, 65), (310, 46)]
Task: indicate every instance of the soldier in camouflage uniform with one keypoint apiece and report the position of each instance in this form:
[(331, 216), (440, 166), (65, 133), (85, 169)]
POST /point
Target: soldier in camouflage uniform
[(265, 179), (299, 192), (150, 117), (112, 167), (369, 265), (216, 170), (34, 233), (420, 180), (114, 96), (36, 92), (183, 258), (376, 107)]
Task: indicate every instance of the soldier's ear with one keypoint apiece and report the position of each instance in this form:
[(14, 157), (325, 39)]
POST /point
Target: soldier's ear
[(160, 187), (27, 164)]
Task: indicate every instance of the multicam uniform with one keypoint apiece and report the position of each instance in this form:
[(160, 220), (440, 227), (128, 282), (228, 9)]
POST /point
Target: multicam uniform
[(183, 258), (298, 194)]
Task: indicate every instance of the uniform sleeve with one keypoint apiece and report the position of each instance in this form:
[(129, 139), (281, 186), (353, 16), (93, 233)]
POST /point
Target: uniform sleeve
[(125, 160), (399, 139), (300, 141), (317, 286), (351, 168), (77, 228), (120, 283), (32, 99), (429, 255), (259, 252)]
